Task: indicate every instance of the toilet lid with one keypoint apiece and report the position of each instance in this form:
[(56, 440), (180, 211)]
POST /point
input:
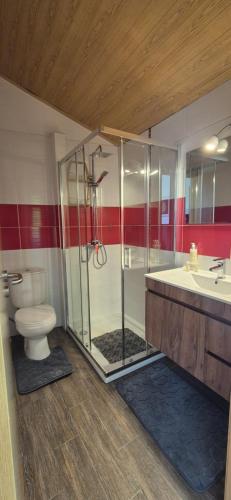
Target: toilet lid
[(29, 316)]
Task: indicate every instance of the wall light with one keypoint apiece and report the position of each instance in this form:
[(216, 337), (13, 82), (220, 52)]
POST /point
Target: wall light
[(215, 144), (212, 143), (222, 146)]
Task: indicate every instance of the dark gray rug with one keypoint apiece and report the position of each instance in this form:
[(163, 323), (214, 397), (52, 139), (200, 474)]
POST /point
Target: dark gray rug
[(30, 374), (189, 427), (111, 344)]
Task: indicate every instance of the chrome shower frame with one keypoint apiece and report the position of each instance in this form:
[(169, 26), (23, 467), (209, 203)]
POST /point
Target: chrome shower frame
[(138, 360)]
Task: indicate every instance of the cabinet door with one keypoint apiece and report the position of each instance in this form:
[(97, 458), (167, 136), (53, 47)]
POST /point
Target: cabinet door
[(172, 329), (218, 376), (218, 339), (183, 337), (154, 319), (192, 349)]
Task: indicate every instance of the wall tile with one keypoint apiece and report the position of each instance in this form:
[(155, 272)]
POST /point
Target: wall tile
[(71, 237), (109, 216), (111, 235), (38, 215), (70, 214), (135, 235), (154, 213), (39, 237), (8, 215), (179, 238), (135, 215), (10, 239), (74, 236), (85, 235), (222, 214), (180, 211), (163, 212), (165, 235), (85, 216)]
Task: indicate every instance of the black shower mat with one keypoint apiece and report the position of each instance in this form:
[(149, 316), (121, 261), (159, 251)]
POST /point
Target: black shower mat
[(111, 344), (30, 374)]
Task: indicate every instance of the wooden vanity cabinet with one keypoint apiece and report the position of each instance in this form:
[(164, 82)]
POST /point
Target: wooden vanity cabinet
[(177, 331), (197, 342)]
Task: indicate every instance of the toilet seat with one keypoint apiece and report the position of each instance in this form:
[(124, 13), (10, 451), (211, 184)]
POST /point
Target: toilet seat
[(37, 320)]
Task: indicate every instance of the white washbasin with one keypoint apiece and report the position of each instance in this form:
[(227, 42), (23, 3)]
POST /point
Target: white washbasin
[(202, 282), (213, 284)]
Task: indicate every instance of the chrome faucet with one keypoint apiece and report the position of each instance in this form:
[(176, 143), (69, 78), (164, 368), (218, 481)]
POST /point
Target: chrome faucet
[(218, 266)]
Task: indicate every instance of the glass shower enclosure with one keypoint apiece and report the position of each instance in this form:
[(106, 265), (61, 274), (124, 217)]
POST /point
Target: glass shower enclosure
[(117, 221)]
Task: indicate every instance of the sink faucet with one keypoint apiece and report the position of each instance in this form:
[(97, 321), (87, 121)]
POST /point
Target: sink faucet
[(218, 266)]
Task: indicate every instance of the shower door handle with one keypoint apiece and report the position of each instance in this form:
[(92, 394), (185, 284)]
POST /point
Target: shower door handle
[(127, 258)]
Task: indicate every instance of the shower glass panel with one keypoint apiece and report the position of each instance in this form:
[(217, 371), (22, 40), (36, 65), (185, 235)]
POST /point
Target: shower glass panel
[(135, 246), (162, 207), (104, 262), (74, 236)]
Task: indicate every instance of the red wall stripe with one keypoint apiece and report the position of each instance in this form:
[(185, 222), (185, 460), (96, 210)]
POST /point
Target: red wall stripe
[(211, 239), (36, 226), (29, 226)]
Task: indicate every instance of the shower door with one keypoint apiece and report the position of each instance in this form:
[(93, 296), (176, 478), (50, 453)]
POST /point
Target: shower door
[(75, 213), (134, 191), (148, 192)]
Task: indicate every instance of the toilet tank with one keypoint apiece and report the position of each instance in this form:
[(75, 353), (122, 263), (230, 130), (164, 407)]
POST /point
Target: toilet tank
[(32, 290)]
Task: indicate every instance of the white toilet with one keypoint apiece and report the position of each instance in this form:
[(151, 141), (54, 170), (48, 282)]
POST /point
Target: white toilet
[(34, 319)]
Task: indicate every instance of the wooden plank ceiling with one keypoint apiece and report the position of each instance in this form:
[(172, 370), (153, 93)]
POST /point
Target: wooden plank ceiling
[(127, 64)]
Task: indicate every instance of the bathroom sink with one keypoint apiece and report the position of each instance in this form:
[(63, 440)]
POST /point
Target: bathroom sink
[(201, 282), (211, 283)]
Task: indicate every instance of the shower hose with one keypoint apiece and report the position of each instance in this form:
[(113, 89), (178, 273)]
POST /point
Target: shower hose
[(99, 256)]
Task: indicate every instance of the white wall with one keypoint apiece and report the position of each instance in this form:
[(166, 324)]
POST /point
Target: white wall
[(190, 127), (33, 137), (28, 172), (196, 122), (22, 112), (28, 177)]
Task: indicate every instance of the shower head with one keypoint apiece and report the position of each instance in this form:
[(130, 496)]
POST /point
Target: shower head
[(101, 177), (103, 154), (99, 153)]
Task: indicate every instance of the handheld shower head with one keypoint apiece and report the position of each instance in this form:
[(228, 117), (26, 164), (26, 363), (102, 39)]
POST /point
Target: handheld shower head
[(101, 177)]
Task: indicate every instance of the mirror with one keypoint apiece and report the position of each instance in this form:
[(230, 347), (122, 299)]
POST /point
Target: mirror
[(208, 187)]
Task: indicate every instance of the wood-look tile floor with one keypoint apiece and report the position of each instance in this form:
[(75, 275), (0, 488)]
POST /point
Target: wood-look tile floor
[(80, 441)]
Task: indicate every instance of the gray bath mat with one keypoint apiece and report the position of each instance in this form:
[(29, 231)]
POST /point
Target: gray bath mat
[(30, 374), (111, 344), (188, 426)]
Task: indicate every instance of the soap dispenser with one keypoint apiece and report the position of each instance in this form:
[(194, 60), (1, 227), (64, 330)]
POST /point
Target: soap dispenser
[(193, 252), (193, 257)]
